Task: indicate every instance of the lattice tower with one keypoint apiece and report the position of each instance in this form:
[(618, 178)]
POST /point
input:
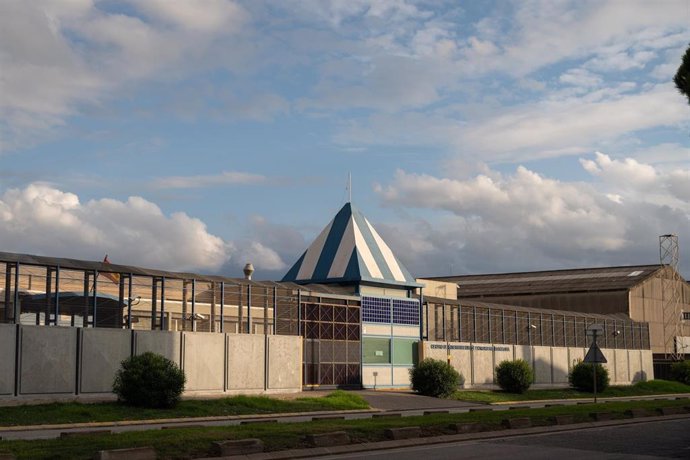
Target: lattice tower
[(671, 283)]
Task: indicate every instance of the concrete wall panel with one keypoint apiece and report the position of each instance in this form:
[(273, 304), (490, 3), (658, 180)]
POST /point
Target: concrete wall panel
[(610, 355), (647, 367), (501, 355), (203, 361), (461, 360), (401, 376), (483, 364), (542, 365), (525, 352), (621, 366), (246, 365), (48, 360), (635, 365), (384, 376), (8, 345), (102, 351), (284, 362), (559, 358), (575, 355), (165, 343)]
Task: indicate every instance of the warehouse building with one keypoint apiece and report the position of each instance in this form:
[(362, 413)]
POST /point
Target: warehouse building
[(360, 318), (653, 294)]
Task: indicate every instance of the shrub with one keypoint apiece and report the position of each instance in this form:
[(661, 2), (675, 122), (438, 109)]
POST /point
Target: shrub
[(431, 377), (680, 372), (581, 378), (514, 376), (149, 380)]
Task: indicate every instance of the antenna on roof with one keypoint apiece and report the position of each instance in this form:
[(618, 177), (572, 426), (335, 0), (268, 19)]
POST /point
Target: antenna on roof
[(349, 187)]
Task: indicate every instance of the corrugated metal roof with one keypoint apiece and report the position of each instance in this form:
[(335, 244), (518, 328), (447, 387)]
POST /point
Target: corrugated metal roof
[(553, 281), (349, 250)]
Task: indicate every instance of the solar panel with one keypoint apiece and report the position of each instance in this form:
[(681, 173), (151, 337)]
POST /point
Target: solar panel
[(385, 310)]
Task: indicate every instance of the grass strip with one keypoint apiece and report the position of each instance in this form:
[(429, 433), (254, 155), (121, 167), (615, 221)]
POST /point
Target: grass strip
[(652, 387), (59, 413), (196, 442)]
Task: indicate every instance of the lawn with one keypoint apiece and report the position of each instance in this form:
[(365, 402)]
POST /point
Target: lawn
[(652, 387), (60, 413), (196, 442)]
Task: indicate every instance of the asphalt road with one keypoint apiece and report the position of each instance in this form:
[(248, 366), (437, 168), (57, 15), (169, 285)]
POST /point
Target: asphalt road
[(651, 440)]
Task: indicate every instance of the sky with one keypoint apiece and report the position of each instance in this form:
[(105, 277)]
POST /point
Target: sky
[(481, 137)]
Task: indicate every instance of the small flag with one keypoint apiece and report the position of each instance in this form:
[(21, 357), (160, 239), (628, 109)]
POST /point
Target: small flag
[(114, 277)]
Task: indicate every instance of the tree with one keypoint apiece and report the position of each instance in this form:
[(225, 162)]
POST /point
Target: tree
[(682, 78)]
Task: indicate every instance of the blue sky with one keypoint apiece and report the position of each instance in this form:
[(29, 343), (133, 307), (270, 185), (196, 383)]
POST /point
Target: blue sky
[(481, 136)]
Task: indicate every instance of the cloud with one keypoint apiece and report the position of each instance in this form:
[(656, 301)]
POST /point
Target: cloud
[(209, 180), (541, 129), (41, 219), (524, 220), (623, 173), (79, 54)]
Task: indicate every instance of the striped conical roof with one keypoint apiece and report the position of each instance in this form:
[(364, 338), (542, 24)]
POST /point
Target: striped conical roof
[(349, 249)]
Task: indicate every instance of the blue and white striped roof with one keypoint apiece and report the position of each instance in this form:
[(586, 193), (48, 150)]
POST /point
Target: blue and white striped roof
[(349, 249)]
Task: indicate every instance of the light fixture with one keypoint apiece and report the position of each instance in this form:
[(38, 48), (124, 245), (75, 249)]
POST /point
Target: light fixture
[(532, 326), (616, 333)]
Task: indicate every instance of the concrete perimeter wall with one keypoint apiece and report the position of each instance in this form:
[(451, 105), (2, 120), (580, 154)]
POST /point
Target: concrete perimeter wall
[(477, 362), (57, 363)]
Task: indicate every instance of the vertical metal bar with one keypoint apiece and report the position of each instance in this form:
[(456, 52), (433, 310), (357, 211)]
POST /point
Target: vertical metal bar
[(240, 329), (121, 295), (275, 307), (8, 285), (625, 335), (488, 317), (427, 320), (154, 301), (299, 313), (49, 288), (17, 313), (421, 313), (87, 299), (222, 306), (459, 323), (163, 325), (529, 328), (57, 295), (503, 324), (129, 302), (193, 305), (474, 322), (249, 308), (553, 330), (95, 297), (265, 310), (606, 334), (517, 329), (541, 329), (184, 305), (443, 306), (565, 331)]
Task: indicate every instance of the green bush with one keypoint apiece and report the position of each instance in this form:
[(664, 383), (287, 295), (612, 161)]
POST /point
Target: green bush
[(149, 380), (431, 377), (514, 376), (680, 372), (581, 378)]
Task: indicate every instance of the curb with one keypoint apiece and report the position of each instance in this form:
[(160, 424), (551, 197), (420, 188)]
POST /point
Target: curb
[(183, 420), (609, 399), (431, 440)]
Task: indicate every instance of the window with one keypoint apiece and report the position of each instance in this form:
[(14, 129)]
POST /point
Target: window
[(405, 351), (376, 350), (686, 316), (376, 310)]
